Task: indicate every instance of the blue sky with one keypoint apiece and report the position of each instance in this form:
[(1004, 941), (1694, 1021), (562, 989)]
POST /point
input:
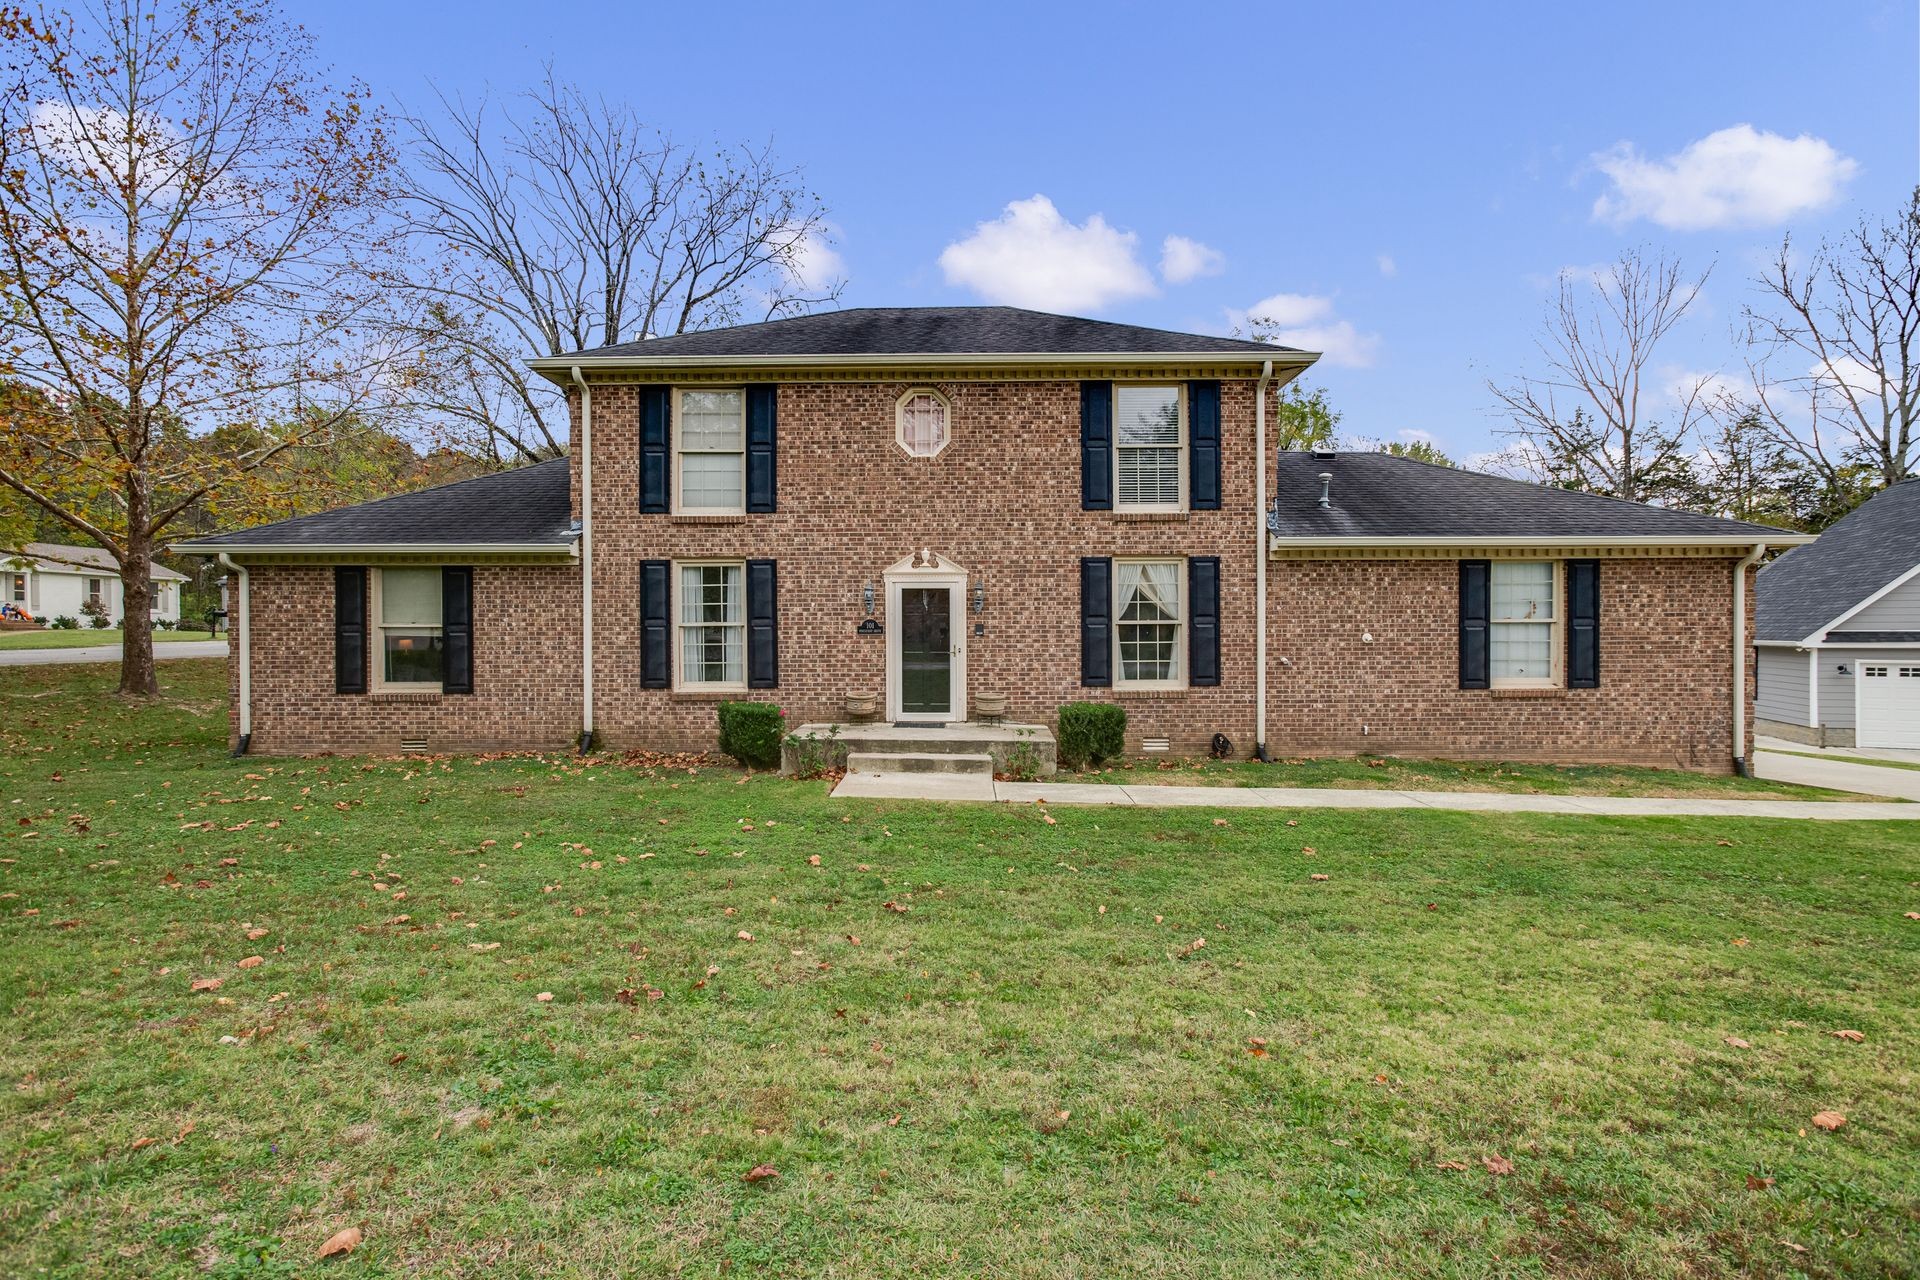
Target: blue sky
[(1406, 181)]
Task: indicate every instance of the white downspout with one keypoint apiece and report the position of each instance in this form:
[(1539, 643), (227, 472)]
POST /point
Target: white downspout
[(1260, 562), (586, 559), (246, 653), (1740, 656)]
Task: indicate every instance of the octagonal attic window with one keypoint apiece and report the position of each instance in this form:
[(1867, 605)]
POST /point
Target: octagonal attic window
[(921, 422)]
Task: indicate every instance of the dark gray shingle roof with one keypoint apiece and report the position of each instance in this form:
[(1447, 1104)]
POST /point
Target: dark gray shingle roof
[(933, 331), (1810, 586), (1379, 495), (529, 505)]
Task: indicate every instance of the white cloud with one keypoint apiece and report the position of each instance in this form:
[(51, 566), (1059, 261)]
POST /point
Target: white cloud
[(816, 265), (1182, 260), (1388, 267), (1414, 435), (1737, 177), (97, 138), (1030, 256), (1306, 321)]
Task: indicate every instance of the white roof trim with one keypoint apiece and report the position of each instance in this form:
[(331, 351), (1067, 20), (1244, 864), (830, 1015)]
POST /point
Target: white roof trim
[(1875, 598)]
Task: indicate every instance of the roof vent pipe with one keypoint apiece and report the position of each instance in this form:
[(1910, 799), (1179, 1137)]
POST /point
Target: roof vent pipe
[(1326, 489)]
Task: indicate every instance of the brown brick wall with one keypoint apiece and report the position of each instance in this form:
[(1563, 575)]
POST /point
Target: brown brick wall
[(526, 669)]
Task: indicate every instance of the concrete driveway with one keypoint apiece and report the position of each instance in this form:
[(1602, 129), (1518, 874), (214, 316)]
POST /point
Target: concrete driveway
[(162, 651), (1841, 772)]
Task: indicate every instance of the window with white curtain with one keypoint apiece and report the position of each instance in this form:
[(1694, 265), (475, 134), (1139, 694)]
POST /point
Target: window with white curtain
[(711, 440), (920, 423), (1147, 621), (1149, 439), (713, 625), (19, 588), (1524, 640), (406, 619)]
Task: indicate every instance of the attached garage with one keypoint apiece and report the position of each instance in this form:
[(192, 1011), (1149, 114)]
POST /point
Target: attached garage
[(1887, 702)]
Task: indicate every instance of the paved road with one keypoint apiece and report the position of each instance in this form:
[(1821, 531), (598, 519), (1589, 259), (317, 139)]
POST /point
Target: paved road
[(949, 786), (1839, 773), (162, 650)]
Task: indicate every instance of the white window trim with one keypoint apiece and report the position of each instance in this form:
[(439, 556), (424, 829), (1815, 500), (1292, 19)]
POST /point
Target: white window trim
[(900, 420), (680, 682), (1180, 462), (1556, 637), (1179, 677), (676, 417), (377, 644)]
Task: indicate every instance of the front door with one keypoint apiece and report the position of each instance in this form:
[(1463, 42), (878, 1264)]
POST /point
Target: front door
[(926, 651)]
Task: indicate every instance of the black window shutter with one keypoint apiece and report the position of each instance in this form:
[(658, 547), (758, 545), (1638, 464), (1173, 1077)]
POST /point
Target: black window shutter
[(1476, 577), (349, 629), (656, 450), (1203, 620), (456, 629), (656, 649), (763, 625), (1096, 446), (763, 403), (1583, 624), (1096, 621), (1203, 445)]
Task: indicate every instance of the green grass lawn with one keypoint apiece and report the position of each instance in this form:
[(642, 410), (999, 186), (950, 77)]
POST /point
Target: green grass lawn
[(49, 639), (972, 1041), (1391, 773)]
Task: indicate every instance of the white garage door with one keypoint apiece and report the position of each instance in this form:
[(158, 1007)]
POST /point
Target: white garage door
[(1888, 706)]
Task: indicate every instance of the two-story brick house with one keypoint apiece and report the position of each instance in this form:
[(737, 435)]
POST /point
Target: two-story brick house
[(929, 503)]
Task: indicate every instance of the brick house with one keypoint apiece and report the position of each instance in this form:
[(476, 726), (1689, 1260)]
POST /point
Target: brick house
[(925, 504)]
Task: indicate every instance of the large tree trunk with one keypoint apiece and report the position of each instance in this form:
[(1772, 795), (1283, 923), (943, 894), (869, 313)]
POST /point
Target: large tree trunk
[(137, 676)]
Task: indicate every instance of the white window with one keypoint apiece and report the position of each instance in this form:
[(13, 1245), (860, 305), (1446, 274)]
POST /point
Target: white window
[(921, 422), (93, 590), (1149, 439), (19, 588), (1524, 643), (711, 441), (711, 615), (406, 623), (1147, 622), (1874, 673)]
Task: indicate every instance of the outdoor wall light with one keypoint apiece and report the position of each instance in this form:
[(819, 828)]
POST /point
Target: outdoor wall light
[(980, 595), (867, 596), (1843, 669)]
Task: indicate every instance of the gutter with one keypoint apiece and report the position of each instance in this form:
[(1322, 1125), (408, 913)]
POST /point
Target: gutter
[(586, 560), (1740, 765), (223, 549), (246, 655), (1781, 539), (558, 368), (1260, 563)]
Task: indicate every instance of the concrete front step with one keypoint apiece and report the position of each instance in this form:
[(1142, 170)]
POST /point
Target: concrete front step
[(1022, 750), (980, 763)]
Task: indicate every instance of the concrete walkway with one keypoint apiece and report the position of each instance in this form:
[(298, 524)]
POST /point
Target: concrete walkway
[(162, 651), (943, 786)]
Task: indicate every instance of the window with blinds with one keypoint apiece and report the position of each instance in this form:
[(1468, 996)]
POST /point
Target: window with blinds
[(1149, 434), (1524, 622), (712, 449), (713, 625)]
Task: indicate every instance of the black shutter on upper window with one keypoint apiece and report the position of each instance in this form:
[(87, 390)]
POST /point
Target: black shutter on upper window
[(656, 450), (763, 404), (656, 624), (763, 625), (1203, 620), (1203, 445), (349, 629), (1096, 446), (1476, 577), (1583, 624), (1096, 621), (456, 629)]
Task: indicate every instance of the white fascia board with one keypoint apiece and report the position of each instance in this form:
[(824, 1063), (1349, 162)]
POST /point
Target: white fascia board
[(1730, 541), (1875, 598), (555, 366)]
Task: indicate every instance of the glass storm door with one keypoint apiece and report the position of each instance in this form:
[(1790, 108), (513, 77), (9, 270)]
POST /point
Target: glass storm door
[(926, 651)]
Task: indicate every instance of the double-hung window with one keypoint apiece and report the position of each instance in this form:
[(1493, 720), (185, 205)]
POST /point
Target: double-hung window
[(1148, 619), (1524, 642), (710, 468), (19, 588), (95, 590), (407, 622), (1149, 453), (711, 617)]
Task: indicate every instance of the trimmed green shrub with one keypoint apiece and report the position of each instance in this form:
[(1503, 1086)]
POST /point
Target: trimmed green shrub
[(751, 732), (65, 622), (1091, 732)]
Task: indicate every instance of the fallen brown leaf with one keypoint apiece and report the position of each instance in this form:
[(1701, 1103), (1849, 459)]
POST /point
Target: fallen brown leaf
[(340, 1243), (1499, 1166), (206, 984), (1737, 1042), (254, 935), (761, 1172), (1756, 1183), (1848, 1034), (545, 997), (252, 962), (138, 1143), (1828, 1120), (1455, 1166), (1319, 875)]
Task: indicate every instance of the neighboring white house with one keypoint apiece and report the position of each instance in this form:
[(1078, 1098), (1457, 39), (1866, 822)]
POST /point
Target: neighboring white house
[(1839, 631), (49, 580)]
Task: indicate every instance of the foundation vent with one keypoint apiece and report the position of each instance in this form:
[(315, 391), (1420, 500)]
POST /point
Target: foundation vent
[(414, 746), (1155, 745)]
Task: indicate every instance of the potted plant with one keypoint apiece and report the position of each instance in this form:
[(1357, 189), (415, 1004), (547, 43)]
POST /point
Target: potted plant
[(862, 706)]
